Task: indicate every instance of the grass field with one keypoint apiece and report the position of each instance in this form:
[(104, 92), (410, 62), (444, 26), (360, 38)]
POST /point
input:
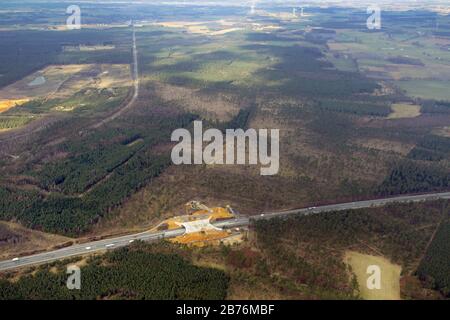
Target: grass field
[(40, 83), (390, 276), (404, 110), (426, 89)]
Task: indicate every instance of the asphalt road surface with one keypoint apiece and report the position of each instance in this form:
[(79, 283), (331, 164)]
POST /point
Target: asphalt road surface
[(108, 244)]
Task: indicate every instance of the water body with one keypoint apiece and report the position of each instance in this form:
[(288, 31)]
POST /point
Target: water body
[(37, 82)]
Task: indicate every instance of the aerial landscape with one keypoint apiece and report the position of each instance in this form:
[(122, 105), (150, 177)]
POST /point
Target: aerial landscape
[(224, 150)]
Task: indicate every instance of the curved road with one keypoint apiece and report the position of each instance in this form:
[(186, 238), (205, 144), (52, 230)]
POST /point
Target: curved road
[(95, 246), (135, 77)]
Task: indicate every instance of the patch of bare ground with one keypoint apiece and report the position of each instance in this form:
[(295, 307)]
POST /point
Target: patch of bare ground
[(27, 241), (5, 105)]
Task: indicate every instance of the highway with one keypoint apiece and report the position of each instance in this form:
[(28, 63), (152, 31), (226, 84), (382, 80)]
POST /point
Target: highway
[(108, 244)]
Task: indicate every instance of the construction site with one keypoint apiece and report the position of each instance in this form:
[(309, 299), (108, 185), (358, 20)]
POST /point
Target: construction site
[(199, 229)]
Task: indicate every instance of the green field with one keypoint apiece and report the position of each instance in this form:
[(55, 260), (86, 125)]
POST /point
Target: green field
[(426, 89)]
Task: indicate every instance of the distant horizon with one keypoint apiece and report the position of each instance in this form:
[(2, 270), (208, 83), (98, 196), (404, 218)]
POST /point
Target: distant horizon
[(389, 4)]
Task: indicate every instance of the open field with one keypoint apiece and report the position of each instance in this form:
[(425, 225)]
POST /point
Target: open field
[(426, 89), (63, 88), (418, 64), (65, 80), (197, 27), (403, 110), (5, 105), (390, 276), (40, 83)]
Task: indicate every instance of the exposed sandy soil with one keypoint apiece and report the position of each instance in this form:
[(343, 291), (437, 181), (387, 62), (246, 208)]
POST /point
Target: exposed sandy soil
[(5, 105), (201, 238)]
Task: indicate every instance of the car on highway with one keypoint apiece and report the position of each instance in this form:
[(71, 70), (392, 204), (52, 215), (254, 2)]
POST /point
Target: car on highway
[(15, 259)]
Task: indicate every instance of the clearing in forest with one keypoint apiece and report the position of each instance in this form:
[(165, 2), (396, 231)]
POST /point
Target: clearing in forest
[(390, 276), (404, 110)]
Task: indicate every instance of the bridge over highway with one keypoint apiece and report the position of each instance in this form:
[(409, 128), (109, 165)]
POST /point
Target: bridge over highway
[(107, 244)]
